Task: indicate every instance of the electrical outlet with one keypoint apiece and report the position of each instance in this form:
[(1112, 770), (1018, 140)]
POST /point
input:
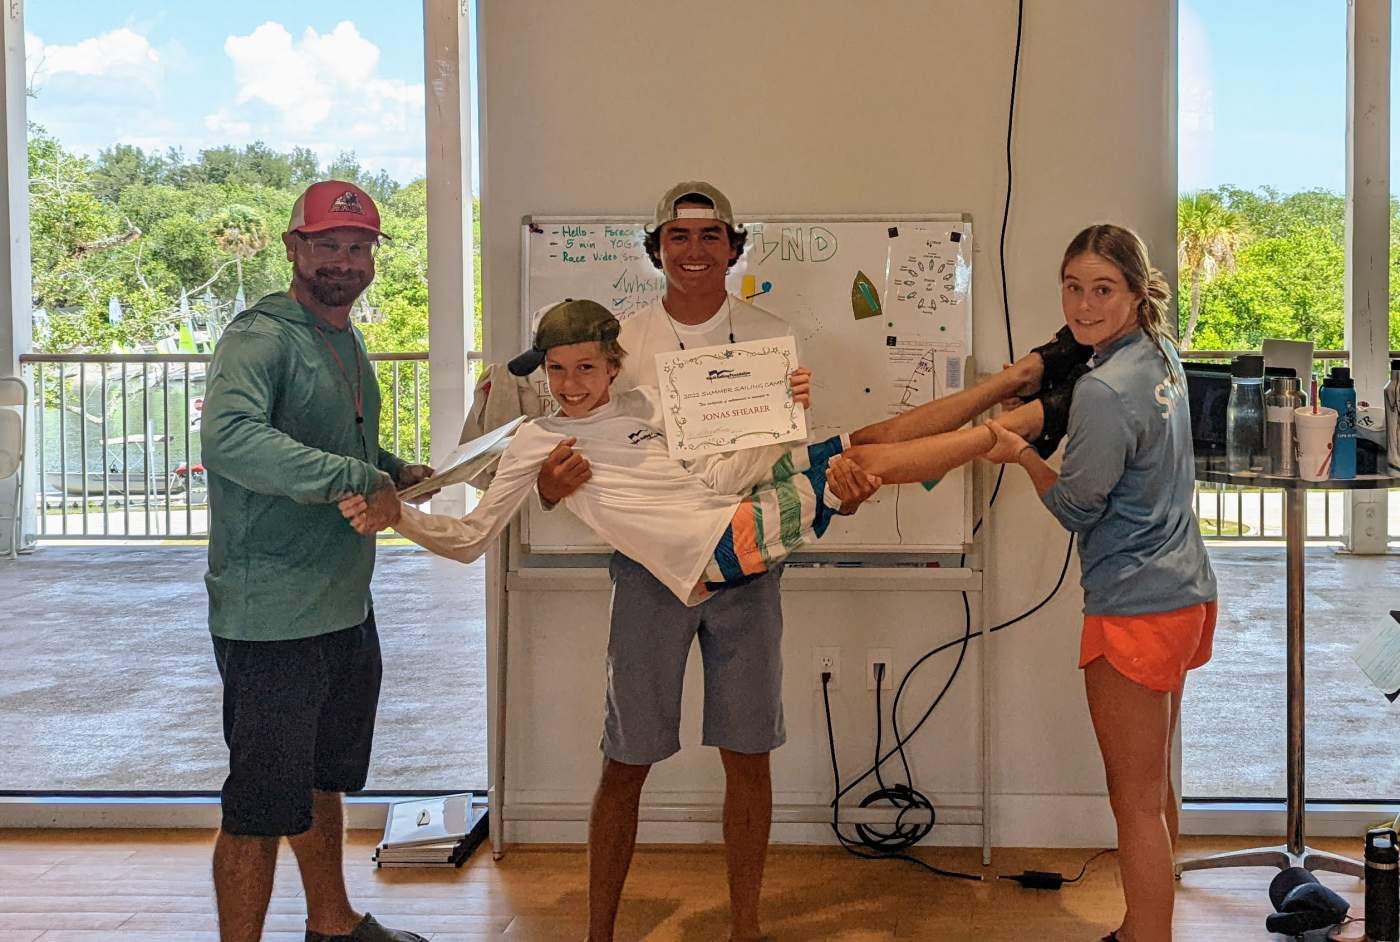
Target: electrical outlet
[(823, 660), (875, 656)]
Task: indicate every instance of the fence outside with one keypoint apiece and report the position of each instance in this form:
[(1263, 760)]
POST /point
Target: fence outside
[(118, 448), (117, 439)]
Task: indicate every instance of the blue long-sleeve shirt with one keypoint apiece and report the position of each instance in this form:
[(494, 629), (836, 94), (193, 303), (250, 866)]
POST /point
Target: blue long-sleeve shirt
[(1126, 485)]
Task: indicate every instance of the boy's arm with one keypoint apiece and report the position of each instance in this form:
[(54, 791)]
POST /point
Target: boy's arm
[(736, 472), (239, 442), (465, 539)]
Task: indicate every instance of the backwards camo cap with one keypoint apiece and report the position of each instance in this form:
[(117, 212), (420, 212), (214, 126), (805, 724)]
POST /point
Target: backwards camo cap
[(564, 323), (666, 210)]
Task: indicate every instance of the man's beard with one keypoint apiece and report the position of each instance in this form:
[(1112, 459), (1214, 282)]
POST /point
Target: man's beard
[(336, 292)]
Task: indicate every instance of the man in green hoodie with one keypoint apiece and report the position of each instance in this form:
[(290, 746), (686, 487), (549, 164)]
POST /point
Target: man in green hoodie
[(290, 426)]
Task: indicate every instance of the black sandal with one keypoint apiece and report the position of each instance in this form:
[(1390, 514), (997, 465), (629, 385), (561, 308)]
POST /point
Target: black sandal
[(1061, 355), (1055, 402)]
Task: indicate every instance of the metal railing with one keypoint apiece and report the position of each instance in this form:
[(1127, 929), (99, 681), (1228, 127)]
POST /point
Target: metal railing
[(1227, 512), (117, 439)]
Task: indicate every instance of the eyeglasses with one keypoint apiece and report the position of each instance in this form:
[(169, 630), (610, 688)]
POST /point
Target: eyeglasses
[(330, 248)]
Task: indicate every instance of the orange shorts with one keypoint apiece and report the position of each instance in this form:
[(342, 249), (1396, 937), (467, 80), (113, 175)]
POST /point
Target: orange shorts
[(1154, 650)]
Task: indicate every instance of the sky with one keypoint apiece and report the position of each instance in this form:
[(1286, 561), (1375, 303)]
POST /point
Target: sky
[(1263, 95), (333, 76), (1262, 82)]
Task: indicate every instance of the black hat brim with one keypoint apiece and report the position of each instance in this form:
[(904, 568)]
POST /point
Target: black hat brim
[(526, 363)]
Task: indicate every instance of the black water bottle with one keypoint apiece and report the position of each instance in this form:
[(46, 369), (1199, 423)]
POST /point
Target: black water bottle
[(1382, 886)]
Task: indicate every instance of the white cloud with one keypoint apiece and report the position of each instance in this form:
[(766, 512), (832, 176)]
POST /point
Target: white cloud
[(322, 91), (120, 55)]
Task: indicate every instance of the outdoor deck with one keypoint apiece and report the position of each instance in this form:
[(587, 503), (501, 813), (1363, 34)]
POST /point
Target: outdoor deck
[(116, 686)]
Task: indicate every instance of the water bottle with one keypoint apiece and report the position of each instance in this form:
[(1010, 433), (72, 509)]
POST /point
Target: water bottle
[(1392, 417), (1382, 886), (1244, 416), (1339, 392), (1285, 394)]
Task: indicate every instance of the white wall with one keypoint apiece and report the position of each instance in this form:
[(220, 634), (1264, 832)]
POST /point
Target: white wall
[(826, 106)]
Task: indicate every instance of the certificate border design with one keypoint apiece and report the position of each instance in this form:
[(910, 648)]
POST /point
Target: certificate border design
[(731, 442)]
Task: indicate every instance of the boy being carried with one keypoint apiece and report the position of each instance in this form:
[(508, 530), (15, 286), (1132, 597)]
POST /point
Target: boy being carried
[(725, 518)]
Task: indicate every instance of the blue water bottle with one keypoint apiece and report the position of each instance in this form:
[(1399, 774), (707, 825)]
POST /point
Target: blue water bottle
[(1339, 392)]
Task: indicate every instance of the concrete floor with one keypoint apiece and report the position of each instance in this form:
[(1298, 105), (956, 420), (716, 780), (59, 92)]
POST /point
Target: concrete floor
[(106, 685), (1233, 713), (116, 688)]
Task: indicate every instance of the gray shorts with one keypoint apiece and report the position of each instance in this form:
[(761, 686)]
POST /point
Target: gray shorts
[(741, 634)]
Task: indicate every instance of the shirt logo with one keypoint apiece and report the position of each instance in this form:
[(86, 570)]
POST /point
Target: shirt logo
[(713, 375), (1167, 394), (642, 436)]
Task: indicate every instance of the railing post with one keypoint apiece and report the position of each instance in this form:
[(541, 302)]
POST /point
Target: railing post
[(1368, 238), (449, 67), (16, 287)]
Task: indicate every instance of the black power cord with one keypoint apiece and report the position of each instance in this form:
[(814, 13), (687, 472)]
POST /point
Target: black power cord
[(877, 844), (894, 848)]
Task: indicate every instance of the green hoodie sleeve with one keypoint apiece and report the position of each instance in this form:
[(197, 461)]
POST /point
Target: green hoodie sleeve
[(240, 443), (391, 464)]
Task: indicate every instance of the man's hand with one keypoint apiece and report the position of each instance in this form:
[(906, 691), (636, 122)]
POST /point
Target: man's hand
[(410, 475), (563, 472), (800, 382), (850, 483), (1007, 447), (379, 510)]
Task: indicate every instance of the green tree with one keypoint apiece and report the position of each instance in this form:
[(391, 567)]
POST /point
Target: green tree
[(239, 231), (1208, 235)]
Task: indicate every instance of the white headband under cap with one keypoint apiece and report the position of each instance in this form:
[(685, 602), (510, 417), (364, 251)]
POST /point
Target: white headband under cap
[(696, 212)]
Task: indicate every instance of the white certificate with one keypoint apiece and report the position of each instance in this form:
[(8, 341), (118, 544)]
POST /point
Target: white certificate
[(733, 396)]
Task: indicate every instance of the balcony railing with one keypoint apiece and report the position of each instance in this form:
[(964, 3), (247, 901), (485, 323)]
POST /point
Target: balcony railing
[(118, 448), (1238, 513), (117, 439)]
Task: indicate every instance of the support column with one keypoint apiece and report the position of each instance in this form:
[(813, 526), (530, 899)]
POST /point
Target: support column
[(449, 67), (16, 289), (1368, 237)]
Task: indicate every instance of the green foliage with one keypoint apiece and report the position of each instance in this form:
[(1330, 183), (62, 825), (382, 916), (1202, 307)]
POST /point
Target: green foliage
[(1208, 235), (1288, 279), (144, 228)]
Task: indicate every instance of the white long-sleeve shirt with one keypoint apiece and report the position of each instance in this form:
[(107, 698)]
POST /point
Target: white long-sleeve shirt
[(639, 499)]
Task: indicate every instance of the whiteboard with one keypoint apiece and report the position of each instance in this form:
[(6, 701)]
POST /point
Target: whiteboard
[(882, 311)]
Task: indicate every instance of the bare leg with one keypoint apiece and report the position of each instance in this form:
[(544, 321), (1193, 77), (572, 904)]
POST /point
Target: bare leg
[(1132, 725), (1173, 813), (612, 836), (748, 817), (955, 411), (923, 459), (243, 871), (320, 858)]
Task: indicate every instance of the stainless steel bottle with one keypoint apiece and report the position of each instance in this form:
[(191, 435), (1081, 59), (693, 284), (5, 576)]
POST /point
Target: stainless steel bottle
[(1284, 395), (1382, 886), (1392, 416)]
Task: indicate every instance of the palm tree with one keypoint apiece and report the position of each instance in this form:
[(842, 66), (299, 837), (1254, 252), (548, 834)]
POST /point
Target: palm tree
[(1208, 234), (240, 232)]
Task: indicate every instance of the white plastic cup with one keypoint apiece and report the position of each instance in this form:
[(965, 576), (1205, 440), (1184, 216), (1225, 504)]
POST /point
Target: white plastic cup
[(1313, 432)]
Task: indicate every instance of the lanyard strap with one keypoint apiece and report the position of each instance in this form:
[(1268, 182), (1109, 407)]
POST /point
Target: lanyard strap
[(353, 386)]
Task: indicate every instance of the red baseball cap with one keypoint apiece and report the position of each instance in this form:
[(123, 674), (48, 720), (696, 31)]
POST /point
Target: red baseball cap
[(332, 204)]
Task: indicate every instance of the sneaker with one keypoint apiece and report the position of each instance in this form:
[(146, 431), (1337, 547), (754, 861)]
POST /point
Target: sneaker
[(1055, 401), (1061, 355), (369, 930)]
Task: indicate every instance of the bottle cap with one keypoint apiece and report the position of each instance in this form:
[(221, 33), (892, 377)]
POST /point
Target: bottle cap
[(1248, 366), (1285, 384), (1395, 366), (1340, 378)]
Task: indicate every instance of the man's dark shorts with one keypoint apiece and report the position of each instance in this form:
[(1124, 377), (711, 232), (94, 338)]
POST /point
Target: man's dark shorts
[(298, 717)]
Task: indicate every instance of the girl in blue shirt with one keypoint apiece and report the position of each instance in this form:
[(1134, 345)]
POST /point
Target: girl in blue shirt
[(1125, 489)]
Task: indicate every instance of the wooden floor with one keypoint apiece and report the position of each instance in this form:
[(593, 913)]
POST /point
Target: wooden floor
[(153, 886)]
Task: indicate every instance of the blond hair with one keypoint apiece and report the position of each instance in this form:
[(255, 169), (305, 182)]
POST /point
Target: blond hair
[(1127, 252)]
